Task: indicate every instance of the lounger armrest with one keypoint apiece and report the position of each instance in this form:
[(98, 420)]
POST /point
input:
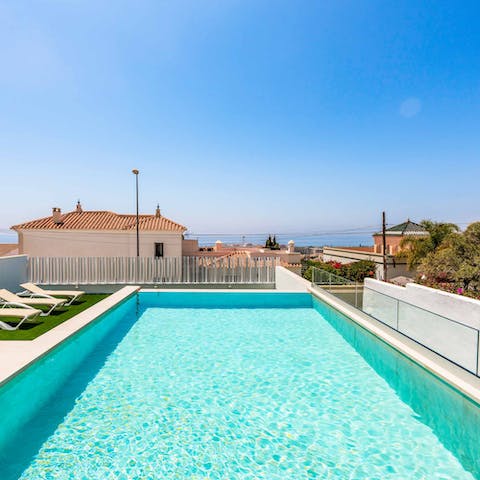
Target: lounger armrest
[(35, 295), (16, 305)]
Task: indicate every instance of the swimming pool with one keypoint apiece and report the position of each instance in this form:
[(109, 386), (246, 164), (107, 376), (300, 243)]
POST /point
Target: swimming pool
[(232, 385)]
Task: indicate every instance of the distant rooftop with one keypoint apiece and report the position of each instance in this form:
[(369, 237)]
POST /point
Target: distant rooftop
[(100, 220), (367, 248), (405, 228), (7, 249)]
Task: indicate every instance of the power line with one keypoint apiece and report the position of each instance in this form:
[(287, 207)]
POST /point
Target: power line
[(358, 231), (353, 231)]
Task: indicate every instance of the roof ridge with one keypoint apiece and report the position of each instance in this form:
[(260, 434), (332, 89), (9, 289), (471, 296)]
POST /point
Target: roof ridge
[(87, 211)]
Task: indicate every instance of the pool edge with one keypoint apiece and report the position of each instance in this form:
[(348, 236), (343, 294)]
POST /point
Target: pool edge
[(458, 378), (14, 360), (17, 355)]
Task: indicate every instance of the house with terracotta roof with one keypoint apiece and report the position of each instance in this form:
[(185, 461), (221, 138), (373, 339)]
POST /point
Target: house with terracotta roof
[(86, 233)]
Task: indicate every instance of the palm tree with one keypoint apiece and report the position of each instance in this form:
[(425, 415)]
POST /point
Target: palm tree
[(416, 248)]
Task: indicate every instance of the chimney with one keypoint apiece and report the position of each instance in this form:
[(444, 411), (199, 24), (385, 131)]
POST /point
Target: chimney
[(157, 211), (79, 208), (57, 215)]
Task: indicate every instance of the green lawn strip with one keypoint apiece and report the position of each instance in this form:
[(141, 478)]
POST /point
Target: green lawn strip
[(40, 325)]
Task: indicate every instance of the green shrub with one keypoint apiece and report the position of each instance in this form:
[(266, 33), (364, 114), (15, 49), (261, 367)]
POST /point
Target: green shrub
[(307, 273), (355, 271), (358, 271)]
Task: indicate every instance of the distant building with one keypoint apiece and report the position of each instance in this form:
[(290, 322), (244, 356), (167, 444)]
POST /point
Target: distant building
[(7, 249), (99, 234), (393, 237), (287, 257)]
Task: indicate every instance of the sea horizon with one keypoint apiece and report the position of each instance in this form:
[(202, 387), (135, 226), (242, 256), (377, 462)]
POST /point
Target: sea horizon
[(339, 240), (207, 239)]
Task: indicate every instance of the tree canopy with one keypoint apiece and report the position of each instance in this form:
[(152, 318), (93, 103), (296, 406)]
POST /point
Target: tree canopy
[(272, 243), (416, 248), (456, 260)]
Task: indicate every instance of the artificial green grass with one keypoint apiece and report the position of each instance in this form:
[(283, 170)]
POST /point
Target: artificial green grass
[(40, 325)]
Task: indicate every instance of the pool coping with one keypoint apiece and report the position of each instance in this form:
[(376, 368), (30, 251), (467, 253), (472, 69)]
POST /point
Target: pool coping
[(218, 290), (17, 355), (455, 376)]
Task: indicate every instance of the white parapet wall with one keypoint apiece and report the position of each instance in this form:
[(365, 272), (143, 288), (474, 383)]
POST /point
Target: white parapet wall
[(456, 307), (444, 322), (13, 272), (287, 281)]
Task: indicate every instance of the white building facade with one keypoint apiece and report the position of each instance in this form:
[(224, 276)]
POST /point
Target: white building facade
[(100, 234)]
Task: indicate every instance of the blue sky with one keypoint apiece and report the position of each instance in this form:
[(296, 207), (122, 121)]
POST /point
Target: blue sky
[(242, 116)]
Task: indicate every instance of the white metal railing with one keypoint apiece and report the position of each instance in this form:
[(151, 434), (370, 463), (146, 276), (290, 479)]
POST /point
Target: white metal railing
[(150, 270), (348, 290)]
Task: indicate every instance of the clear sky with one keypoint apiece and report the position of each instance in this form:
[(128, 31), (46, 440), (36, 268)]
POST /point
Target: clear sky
[(242, 116)]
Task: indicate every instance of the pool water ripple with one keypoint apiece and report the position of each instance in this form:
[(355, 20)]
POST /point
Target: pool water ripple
[(240, 394)]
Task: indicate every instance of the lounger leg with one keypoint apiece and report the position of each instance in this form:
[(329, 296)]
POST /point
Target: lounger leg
[(24, 319), (6, 326), (45, 314), (71, 301), (75, 298)]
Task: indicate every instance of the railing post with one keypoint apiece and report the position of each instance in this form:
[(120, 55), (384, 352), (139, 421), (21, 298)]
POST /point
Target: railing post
[(478, 345), (397, 314)]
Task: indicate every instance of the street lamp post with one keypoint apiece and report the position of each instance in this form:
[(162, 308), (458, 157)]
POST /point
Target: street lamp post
[(136, 172)]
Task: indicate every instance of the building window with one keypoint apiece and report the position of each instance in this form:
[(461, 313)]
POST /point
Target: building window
[(158, 250)]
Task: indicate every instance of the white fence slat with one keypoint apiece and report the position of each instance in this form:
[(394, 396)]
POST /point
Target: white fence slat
[(149, 270)]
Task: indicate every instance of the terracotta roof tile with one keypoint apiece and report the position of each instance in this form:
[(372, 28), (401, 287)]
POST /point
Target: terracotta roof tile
[(102, 220)]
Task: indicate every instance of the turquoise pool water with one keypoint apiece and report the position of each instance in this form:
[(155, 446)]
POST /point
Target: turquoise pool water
[(267, 386)]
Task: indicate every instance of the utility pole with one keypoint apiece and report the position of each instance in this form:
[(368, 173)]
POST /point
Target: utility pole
[(136, 172), (384, 241)]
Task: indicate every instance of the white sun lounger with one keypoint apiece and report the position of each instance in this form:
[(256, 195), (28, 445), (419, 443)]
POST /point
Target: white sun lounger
[(35, 300), (31, 288), (12, 309)]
